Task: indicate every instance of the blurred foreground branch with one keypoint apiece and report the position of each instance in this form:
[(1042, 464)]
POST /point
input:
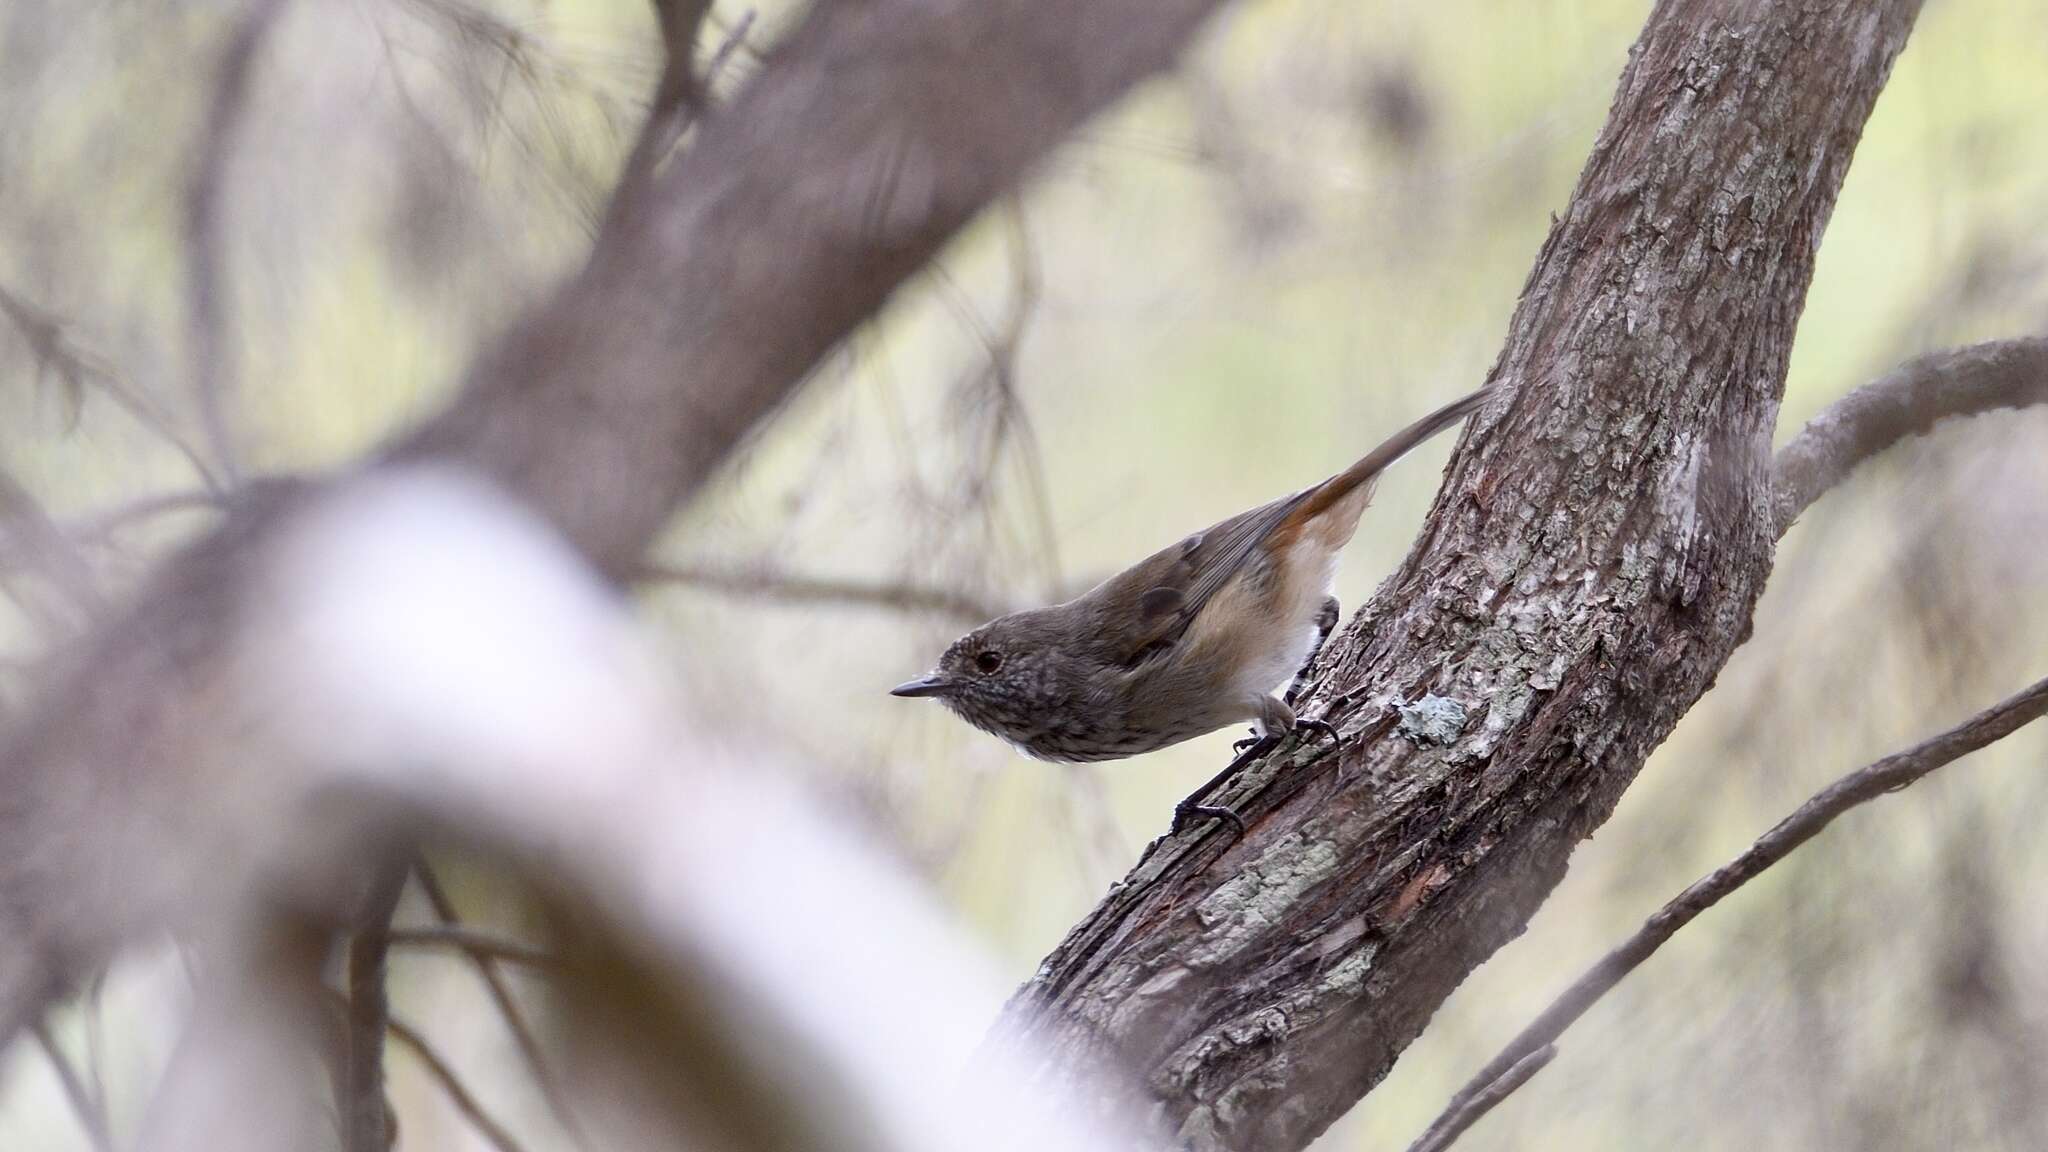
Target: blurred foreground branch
[(852, 156), (431, 640), (1908, 401), (1890, 774)]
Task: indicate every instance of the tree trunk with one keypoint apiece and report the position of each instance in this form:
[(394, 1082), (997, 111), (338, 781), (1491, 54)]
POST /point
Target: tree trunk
[(1590, 563)]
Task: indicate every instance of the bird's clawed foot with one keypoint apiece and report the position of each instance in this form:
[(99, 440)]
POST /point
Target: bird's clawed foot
[(1187, 811), (1320, 728), (1246, 751), (1192, 807)]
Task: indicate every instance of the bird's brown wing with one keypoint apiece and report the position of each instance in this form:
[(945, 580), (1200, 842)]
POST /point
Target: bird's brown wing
[(1147, 607)]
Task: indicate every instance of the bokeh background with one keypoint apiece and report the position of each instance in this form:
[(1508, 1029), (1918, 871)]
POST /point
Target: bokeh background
[(1228, 288)]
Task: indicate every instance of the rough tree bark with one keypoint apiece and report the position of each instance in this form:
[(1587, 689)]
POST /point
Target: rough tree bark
[(1589, 565)]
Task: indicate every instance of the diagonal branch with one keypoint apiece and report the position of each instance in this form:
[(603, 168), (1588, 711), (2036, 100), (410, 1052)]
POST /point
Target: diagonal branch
[(1890, 774), (1471, 1105), (451, 1083), (875, 132), (1909, 401)]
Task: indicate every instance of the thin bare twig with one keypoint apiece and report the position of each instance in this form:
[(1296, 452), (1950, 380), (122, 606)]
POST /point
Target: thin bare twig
[(487, 969), (54, 348), (50, 346), (1908, 401), (365, 1118), (473, 943), (988, 391), (1452, 1124), (458, 1092), (771, 584), (1890, 774), (211, 318), (91, 1109)]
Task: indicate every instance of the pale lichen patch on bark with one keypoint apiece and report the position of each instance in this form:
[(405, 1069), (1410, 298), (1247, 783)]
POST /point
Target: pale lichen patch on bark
[(1432, 720), (1259, 896)]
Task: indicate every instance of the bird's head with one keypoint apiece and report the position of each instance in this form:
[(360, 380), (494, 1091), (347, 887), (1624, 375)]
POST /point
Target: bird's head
[(1011, 677)]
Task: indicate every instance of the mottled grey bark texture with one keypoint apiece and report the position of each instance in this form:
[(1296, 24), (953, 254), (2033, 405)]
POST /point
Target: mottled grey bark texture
[(1588, 567)]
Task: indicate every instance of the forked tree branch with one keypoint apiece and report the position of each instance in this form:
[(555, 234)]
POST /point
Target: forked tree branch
[(1495, 1081), (1470, 1106), (680, 94), (1909, 401)]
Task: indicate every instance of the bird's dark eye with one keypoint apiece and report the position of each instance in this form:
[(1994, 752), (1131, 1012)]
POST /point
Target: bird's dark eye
[(988, 662)]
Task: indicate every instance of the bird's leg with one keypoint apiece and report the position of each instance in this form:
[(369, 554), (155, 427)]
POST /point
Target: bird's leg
[(1277, 721), (1326, 623), (1320, 728), (1277, 716), (1193, 807)]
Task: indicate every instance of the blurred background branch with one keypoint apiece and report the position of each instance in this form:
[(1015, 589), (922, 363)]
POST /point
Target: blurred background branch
[(1908, 401), (209, 291), (1512, 1067)]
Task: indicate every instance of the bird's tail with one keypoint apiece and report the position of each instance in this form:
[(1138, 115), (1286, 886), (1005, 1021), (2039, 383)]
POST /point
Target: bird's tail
[(1361, 475)]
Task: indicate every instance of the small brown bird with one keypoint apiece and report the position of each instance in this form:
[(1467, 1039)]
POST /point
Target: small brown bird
[(1190, 639)]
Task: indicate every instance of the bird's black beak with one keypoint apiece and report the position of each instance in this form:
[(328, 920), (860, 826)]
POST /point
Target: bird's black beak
[(932, 685)]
